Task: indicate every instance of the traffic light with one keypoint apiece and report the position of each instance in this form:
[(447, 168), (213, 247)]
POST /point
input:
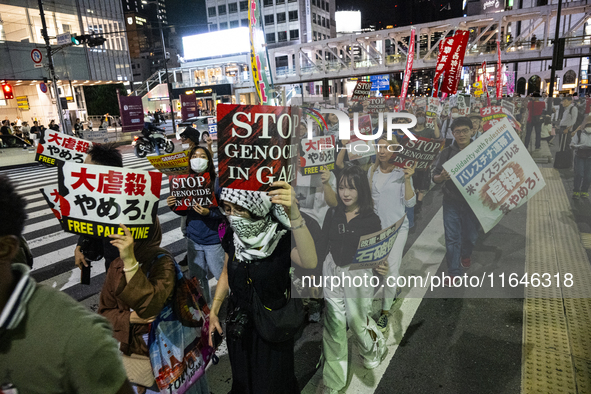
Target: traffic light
[(88, 39), (8, 92)]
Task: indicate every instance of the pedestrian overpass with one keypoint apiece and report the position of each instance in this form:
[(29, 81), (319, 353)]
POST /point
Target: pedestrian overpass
[(385, 51)]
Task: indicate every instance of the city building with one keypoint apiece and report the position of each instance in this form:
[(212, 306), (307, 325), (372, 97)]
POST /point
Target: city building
[(75, 66)]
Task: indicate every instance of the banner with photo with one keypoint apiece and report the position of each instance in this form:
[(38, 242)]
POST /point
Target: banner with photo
[(495, 174), (55, 148), (171, 163), (257, 145), (374, 249), (192, 189), (94, 199), (423, 152), (317, 153)]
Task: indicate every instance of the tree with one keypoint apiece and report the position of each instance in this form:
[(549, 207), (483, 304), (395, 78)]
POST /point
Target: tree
[(102, 99)]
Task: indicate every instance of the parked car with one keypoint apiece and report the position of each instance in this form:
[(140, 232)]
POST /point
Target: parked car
[(200, 123)]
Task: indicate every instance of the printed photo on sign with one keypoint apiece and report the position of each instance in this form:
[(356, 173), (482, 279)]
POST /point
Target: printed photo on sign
[(172, 163), (95, 199), (495, 174), (256, 145), (375, 248), (423, 152), (317, 153), (55, 148), (192, 189)]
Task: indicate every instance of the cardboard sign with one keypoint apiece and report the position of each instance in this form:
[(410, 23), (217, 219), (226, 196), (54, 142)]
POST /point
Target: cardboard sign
[(192, 189), (359, 148), (94, 199), (495, 174), (423, 151), (375, 248), (55, 148), (256, 145), (361, 90), (172, 163), (317, 153)]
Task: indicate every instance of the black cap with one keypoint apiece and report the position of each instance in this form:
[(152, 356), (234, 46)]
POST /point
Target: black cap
[(191, 134)]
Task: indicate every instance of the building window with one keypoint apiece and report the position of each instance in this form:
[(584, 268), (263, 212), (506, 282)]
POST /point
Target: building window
[(282, 36), (270, 37), (313, 2), (223, 25), (269, 19), (322, 4), (279, 1), (324, 37), (244, 6), (233, 8), (213, 27), (281, 17), (313, 17), (315, 36), (293, 16), (267, 3), (234, 24), (222, 9), (291, 1), (211, 11), (244, 22), (324, 21), (294, 34), (327, 6)]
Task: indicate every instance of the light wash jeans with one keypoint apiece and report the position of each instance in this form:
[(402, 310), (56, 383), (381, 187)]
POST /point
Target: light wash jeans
[(204, 257), (461, 233)]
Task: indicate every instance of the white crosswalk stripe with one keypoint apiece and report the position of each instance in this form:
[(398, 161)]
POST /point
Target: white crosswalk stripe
[(52, 248)]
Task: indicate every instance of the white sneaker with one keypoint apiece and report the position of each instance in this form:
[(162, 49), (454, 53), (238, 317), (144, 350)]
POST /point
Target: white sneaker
[(381, 350)]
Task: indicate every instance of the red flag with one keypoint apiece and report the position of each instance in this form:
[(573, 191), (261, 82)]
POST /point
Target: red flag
[(408, 69), (450, 61), (485, 81), (499, 67)]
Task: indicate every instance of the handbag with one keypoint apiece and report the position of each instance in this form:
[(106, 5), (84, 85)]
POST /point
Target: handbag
[(188, 302), (277, 325), (138, 369)]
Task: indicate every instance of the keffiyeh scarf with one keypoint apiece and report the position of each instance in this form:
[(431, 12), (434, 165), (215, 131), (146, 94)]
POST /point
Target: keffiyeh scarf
[(255, 239)]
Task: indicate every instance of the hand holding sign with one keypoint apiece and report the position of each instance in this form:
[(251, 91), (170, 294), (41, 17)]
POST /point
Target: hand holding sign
[(284, 195), (200, 210), (124, 242), (409, 171), (382, 269)]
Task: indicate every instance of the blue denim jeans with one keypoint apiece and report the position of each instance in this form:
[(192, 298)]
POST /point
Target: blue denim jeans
[(582, 174), (461, 232), (204, 257)]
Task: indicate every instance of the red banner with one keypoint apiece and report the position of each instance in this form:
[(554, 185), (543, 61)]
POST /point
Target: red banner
[(456, 46), (188, 106), (485, 82), (499, 71), (408, 70)]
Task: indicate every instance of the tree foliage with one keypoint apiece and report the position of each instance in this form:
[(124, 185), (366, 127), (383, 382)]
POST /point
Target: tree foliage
[(102, 99)]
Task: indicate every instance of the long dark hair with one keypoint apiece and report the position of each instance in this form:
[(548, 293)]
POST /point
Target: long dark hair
[(353, 176), (210, 167)]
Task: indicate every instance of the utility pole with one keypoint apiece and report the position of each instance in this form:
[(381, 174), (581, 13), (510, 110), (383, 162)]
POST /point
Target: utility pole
[(555, 55), (51, 69), (166, 71)]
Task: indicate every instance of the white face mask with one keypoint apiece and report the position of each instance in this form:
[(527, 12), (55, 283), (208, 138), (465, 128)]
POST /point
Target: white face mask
[(455, 115), (199, 165), (185, 146)]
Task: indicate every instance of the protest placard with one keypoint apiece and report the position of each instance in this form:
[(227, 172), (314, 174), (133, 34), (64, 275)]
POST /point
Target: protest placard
[(361, 90), (495, 174), (375, 105), (375, 248), (317, 153), (509, 105), (212, 128), (463, 104), (94, 199), (172, 163), (432, 113), (256, 145), (192, 189), (491, 115), (52, 198), (423, 152), (55, 148), (358, 148)]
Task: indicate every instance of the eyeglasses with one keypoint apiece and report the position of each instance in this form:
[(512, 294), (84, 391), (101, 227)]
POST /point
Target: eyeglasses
[(462, 131), (227, 210)]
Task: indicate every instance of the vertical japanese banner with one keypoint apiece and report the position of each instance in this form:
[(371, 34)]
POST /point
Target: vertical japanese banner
[(485, 81), (93, 199), (256, 145), (55, 148), (495, 174), (454, 69), (499, 79), (132, 112), (188, 106), (408, 69), (258, 54), (443, 58)]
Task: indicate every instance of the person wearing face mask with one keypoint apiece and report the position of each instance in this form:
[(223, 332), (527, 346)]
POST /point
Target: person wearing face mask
[(204, 249), (581, 143), (189, 138)]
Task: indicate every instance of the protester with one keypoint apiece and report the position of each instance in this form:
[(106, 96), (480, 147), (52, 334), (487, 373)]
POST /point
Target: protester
[(476, 120), (581, 142), (422, 179), (568, 119), (392, 192), (535, 108), (348, 306), (49, 343), (204, 249), (459, 221), (104, 155), (258, 256), (36, 129), (53, 126), (77, 128), (5, 129), (546, 133), (26, 130), (189, 138)]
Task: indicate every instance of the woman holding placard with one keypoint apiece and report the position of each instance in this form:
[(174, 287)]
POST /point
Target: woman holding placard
[(204, 248), (392, 192)]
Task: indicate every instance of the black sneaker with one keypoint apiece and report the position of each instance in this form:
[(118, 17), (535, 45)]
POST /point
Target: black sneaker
[(184, 262)]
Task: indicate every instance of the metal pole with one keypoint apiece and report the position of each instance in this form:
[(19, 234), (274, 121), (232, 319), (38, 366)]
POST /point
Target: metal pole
[(51, 69), (166, 71), (555, 52)]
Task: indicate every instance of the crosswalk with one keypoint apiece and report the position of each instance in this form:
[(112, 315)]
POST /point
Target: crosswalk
[(53, 249)]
